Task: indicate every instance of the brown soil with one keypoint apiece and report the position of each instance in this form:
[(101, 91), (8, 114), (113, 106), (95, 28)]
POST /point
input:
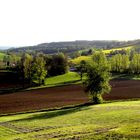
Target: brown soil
[(63, 96)]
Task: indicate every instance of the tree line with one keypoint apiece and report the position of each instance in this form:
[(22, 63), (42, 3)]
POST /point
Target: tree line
[(33, 69), (125, 63)]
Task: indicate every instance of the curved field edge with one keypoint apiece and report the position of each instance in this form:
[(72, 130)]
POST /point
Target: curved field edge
[(74, 78), (116, 120)]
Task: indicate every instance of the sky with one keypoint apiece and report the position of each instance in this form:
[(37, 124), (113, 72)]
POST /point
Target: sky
[(31, 22)]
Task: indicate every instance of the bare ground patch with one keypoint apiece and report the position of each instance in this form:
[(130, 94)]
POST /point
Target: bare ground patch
[(63, 96)]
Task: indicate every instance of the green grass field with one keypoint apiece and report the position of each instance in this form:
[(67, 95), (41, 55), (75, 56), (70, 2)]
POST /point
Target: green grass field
[(80, 58), (110, 121), (1, 56), (117, 49), (74, 78), (70, 77), (60, 80)]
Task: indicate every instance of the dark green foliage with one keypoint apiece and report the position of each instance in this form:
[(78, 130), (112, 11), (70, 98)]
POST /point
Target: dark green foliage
[(88, 52), (98, 76), (97, 99), (57, 64), (32, 69), (123, 51), (81, 68)]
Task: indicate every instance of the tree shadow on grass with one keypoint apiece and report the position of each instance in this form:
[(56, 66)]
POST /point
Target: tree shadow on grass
[(56, 113)]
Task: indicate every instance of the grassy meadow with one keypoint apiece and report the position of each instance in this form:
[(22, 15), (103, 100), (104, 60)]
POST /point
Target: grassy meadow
[(61, 80), (68, 78), (1, 56), (110, 121), (80, 58)]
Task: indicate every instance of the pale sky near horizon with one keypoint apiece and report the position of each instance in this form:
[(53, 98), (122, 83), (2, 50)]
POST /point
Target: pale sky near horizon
[(30, 22)]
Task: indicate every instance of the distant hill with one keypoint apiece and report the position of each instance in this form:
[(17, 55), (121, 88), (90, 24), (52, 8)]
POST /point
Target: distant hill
[(4, 47), (72, 46)]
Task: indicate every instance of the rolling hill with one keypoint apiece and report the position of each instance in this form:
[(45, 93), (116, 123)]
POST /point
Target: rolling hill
[(69, 47)]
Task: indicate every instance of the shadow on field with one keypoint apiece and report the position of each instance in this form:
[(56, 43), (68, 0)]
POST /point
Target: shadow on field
[(56, 113)]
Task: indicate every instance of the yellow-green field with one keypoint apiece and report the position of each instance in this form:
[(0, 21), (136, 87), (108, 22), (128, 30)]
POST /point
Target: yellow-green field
[(80, 58), (110, 121), (89, 58), (117, 49)]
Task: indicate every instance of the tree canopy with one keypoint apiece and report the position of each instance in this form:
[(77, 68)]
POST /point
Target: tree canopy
[(98, 76)]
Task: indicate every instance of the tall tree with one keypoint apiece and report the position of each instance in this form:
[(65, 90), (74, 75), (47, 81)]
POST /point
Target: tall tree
[(81, 68), (120, 63), (39, 70), (27, 67), (125, 63), (135, 64), (98, 76)]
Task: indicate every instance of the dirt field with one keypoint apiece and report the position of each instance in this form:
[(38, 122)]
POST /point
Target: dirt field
[(62, 96)]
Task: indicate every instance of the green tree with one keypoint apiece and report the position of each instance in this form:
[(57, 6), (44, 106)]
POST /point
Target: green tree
[(38, 70), (125, 63), (120, 63), (57, 65), (135, 64), (27, 67), (6, 60), (98, 76), (116, 63), (81, 68)]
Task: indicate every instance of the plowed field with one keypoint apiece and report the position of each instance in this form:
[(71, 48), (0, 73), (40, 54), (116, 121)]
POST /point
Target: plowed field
[(63, 96)]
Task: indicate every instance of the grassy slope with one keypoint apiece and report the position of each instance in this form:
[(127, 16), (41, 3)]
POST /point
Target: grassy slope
[(1, 56), (80, 58), (118, 120), (70, 77), (60, 80), (117, 49)]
